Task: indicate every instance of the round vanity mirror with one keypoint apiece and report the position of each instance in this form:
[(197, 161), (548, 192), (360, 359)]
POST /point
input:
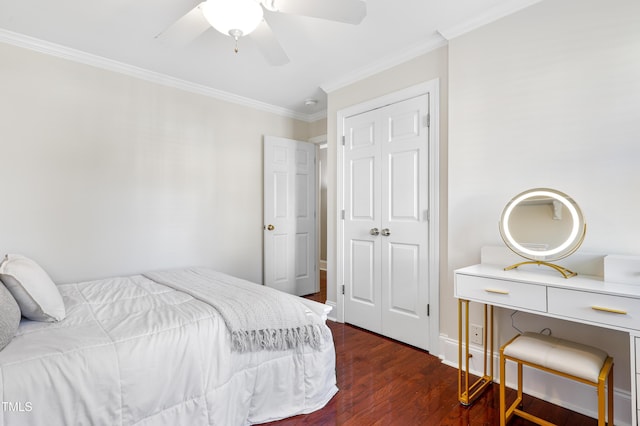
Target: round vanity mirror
[(543, 225)]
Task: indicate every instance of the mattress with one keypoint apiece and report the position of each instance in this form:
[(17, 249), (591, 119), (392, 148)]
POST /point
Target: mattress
[(132, 351)]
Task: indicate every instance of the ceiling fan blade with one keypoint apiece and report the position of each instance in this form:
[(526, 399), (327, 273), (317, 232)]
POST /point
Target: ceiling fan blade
[(269, 45), (185, 29), (349, 11)]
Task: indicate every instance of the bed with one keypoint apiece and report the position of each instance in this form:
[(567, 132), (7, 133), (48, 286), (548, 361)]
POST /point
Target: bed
[(164, 349)]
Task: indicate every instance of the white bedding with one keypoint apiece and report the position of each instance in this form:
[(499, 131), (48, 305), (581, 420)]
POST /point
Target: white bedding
[(261, 318), (135, 352)]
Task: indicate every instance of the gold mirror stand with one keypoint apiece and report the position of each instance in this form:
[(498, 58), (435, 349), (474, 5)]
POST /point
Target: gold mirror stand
[(564, 271)]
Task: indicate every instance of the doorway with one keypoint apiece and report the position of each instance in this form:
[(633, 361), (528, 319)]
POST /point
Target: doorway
[(290, 227)]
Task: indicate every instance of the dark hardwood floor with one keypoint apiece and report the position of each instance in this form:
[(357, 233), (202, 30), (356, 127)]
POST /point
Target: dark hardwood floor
[(320, 296), (384, 382)]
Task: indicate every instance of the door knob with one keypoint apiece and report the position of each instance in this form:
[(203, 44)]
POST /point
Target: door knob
[(374, 231), (386, 232), (270, 227)]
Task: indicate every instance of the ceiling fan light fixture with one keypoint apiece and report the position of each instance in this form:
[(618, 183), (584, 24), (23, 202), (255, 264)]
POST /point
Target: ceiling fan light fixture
[(270, 5), (234, 18)]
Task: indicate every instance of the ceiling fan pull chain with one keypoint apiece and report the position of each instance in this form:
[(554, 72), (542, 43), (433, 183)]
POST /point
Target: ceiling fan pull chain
[(236, 34)]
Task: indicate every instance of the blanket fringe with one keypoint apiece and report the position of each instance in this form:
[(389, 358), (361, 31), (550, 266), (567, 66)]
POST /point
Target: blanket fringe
[(313, 335)]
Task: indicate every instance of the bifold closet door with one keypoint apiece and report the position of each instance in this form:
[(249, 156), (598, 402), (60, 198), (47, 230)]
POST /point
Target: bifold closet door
[(386, 221)]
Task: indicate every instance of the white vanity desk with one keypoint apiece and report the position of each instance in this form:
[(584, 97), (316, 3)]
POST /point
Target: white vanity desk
[(583, 299)]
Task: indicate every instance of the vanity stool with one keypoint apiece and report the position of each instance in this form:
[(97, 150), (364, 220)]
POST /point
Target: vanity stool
[(582, 363)]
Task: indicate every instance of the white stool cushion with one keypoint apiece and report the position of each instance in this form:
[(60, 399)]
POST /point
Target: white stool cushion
[(557, 354)]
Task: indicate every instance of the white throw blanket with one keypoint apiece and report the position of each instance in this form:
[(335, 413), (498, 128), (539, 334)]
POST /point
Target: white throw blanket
[(258, 317)]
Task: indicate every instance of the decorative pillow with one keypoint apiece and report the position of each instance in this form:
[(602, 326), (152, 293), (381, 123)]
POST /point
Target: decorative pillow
[(37, 296), (9, 317)]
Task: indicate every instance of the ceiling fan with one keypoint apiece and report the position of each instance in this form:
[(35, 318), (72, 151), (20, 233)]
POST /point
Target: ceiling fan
[(239, 18)]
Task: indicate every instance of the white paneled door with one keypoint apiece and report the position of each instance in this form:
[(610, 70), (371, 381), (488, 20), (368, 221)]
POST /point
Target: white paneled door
[(290, 252), (386, 229)]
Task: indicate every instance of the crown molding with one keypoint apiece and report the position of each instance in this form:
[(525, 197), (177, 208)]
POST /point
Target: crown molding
[(493, 14), (31, 43), (385, 63), (317, 116)]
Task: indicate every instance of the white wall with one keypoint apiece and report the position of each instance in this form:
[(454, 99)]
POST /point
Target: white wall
[(548, 97), (105, 174)]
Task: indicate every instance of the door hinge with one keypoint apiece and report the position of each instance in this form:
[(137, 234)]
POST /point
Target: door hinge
[(427, 120), (342, 214), (343, 140), (343, 289), (428, 309)]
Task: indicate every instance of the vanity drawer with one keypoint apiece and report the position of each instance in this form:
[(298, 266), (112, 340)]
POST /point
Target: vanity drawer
[(497, 292), (598, 308), (636, 352)]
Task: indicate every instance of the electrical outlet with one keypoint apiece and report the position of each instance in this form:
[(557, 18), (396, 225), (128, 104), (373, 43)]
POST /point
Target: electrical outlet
[(475, 334)]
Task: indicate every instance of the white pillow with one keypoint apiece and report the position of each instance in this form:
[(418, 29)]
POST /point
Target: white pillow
[(36, 294), (9, 317)]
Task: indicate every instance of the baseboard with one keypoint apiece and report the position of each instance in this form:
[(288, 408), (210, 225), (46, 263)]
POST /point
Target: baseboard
[(334, 308), (557, 390)]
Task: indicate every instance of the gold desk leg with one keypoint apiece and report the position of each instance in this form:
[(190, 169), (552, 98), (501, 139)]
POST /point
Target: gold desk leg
[(467, 393)]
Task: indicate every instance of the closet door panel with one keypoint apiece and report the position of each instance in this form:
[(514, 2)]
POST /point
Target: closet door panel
[(361, 247), (404, 201)]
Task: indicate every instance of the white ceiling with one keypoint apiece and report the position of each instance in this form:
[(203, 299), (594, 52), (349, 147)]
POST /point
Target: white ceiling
[(323, 54)]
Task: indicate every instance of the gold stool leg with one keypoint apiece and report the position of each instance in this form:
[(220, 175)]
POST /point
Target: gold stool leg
[(601, 404), (605, 377), (520, 382), (610, 392), (503, 386)]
